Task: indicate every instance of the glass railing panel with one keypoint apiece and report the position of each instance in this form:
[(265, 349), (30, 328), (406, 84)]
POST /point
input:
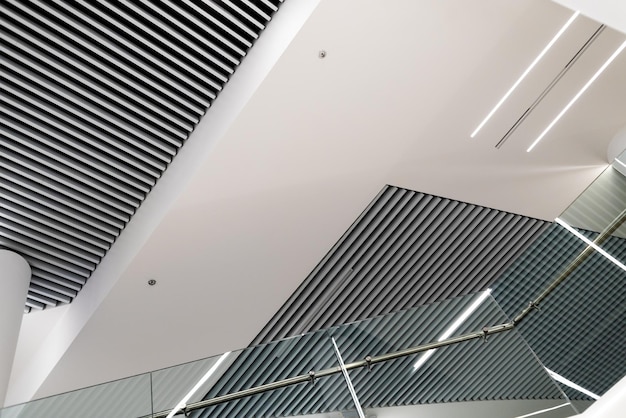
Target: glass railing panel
[(578, 330), (130, 397), (188, 383), (600, 203), (250, 368), (502, 367), (295, 400)]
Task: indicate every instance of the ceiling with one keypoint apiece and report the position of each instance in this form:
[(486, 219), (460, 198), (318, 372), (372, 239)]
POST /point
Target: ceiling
[(297, 146), (97, 100)]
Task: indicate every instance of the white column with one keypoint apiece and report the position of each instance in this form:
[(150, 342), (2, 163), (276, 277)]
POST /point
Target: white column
[(14, 280)]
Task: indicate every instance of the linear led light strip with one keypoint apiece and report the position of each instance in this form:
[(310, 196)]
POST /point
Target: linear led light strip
[(183, 402), (591, 243), (455, 325), (544, 410), (528, 70), (585, 87), (571, 384)]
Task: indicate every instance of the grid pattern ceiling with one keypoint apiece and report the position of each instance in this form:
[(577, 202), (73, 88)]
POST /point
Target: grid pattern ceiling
[(96, 99)]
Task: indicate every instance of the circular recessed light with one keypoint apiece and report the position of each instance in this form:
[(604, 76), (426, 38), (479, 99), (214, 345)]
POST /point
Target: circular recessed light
[(151, 282)]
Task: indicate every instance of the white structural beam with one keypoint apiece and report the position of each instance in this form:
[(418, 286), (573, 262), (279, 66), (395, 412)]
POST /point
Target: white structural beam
[(14, 281)]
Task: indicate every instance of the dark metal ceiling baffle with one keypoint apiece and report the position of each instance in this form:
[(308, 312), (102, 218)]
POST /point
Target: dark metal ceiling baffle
[(406, 249), (96, 99)]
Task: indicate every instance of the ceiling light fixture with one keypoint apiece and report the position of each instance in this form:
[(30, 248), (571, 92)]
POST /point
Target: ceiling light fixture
[(183, 402), (585, 87), (571, 384), (455, 325), (544, 410), (590, 243), (528, 70)]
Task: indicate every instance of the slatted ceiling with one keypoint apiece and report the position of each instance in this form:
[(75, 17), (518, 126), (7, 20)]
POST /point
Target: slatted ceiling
[(406, 249), (469, 371), (96, 99)]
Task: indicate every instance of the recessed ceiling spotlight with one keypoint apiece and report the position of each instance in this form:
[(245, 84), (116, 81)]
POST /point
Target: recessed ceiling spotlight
[(525, 73), (571, 102), (151, 282)]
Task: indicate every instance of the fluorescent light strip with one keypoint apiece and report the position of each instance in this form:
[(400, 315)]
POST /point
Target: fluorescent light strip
[(528, 70), (201, 382), (571, 384), (591, 243), (544, 410), (585, 87), (455, 325)]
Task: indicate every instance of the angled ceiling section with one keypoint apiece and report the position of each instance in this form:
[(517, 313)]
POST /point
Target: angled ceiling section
[(96, 100), (406, 249)]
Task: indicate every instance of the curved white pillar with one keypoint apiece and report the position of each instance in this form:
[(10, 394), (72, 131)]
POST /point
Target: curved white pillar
[(14, 280)]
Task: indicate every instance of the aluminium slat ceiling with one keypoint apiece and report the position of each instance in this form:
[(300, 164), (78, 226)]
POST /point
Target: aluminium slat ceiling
[(406, 249), (473, 370), (96, 99)]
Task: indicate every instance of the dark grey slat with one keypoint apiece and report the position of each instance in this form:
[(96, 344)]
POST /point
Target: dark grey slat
[(57, 288), (73, 91), (57, 213), (81, 122), (114, 54), (37, 147), (145, 29), (46, 236), (70, 177), (40, 184), (111, 82), (94, 115)]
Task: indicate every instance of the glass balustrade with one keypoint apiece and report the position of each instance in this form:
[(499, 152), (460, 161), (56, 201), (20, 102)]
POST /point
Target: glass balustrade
[(567, 289)]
